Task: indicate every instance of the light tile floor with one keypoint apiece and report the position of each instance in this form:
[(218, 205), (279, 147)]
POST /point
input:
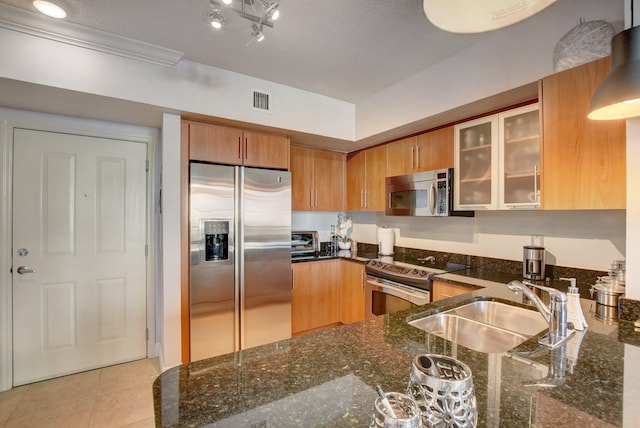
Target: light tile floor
[(116, 396)]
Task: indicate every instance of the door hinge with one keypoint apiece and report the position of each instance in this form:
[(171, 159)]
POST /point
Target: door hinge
[(146, 333), (147, 166)]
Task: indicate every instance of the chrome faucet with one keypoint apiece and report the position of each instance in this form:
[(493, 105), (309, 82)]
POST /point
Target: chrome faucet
[(555, 314)]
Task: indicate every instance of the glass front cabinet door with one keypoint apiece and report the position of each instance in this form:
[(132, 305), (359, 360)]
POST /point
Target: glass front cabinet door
[(475, 160), (520, 157), (497, 161)]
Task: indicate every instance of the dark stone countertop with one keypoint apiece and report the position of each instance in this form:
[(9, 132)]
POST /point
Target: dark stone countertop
[(328, 379)]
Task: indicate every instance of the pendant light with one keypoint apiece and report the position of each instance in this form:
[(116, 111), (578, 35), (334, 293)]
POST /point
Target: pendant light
[(618, 96), (475, 16)]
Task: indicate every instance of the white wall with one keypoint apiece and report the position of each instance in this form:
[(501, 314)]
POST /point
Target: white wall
[(633, 209), (579, 239), (187, 87), (514, 56), (169, 333)]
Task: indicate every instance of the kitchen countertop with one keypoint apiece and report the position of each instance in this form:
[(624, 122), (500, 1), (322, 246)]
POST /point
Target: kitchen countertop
[(328, 378)]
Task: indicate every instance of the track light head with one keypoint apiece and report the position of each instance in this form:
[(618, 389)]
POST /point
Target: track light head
[(216, 18), (271, 10), (257, 34)]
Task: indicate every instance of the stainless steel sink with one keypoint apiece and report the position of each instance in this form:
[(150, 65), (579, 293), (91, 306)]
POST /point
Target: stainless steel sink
[(484, 326)]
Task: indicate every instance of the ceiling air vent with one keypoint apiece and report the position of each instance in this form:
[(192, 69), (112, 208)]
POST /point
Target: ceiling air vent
[(261, 101)]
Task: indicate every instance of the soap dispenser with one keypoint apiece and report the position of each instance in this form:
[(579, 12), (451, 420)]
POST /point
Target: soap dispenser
[(574, 311)]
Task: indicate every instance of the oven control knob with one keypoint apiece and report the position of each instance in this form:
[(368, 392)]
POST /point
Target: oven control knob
[(423, 273), (379, 263), (414, 271)]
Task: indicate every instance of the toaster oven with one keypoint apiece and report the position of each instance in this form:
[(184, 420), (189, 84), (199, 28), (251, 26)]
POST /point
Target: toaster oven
[(304, 244)]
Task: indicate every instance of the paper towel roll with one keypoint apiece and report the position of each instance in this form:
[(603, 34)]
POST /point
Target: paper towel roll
[(385, 241)]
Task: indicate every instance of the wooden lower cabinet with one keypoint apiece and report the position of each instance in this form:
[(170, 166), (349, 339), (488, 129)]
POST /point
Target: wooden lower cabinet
[(443, 290), (351, 296), (314, 298)]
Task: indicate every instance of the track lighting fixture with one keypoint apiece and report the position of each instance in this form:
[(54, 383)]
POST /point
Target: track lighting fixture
[(216, 18), (257, 33), (271, 10), (260, 12)]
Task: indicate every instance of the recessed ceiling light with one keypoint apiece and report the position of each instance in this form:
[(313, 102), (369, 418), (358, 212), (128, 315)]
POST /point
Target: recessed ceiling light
[(50, 9)]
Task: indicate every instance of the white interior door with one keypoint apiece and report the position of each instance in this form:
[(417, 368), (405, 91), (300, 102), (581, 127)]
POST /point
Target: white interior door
[(79, 264)]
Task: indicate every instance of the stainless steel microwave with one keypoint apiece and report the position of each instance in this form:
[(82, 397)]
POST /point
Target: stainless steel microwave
[(422, 194)]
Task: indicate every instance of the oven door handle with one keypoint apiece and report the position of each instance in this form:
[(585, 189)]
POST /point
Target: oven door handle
[(417, 297)]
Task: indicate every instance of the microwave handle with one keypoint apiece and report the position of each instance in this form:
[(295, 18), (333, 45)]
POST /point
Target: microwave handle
[(432, 197)]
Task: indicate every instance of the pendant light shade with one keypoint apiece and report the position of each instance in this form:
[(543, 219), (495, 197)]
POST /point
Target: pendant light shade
[(475, 16), (618, 96)]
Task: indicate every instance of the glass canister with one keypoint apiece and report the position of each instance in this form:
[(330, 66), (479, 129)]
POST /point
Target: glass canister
[(443, 389)]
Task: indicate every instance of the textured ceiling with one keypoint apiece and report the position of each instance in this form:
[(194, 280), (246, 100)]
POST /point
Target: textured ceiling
[(344, 49)]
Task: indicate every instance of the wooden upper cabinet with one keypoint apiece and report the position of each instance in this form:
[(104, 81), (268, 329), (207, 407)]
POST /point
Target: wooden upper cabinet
[(425, 152), (435, 149), (212, 143), (222, 144), (318, 179), (366, 172), (401, 156), (376, 172), (584, 161), (329, 173), (302, 193), (266, 150), (356, 177)]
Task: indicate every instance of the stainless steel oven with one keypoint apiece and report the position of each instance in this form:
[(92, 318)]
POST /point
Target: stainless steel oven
[(391, 288)]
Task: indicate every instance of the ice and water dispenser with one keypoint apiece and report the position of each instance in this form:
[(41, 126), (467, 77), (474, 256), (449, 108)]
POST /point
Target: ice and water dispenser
[(216, 236)]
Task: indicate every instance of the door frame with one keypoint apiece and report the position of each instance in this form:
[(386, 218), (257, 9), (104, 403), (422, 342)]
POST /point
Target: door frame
[(10, 119)]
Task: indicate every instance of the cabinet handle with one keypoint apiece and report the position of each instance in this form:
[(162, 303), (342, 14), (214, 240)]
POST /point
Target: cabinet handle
[(361, 198), (366, 198), (239, 147), (246, 148), (311, 198), (412, 159), (316, 198), (535, 182), (417, 157)]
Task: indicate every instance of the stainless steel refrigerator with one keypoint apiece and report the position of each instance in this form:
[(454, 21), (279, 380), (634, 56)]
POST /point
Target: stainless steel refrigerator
[(240, 279)]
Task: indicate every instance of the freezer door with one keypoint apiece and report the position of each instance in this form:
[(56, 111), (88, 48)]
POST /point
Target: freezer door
[(214, 321), (266, 232)]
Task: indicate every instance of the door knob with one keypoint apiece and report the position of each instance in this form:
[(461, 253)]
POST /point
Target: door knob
[(25, 269)]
